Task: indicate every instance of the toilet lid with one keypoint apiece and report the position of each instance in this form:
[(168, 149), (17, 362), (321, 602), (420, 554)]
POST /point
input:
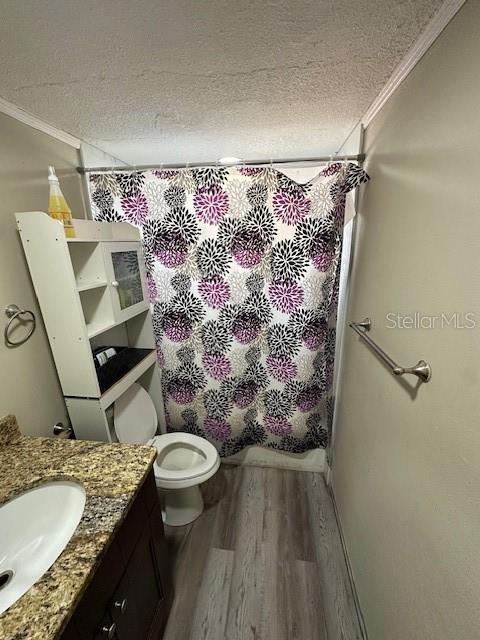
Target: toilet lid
[(134, 416)]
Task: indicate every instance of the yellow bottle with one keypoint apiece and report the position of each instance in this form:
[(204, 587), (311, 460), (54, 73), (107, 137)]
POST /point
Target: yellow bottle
[(57, 205)]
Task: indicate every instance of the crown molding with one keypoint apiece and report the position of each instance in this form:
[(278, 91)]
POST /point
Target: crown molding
[(27, 118), (433, 29)]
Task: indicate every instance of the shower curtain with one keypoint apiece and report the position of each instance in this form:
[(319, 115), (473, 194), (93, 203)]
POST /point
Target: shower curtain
[(243, 272)]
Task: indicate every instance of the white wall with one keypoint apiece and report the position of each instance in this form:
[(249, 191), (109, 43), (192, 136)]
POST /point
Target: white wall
[(92, 156), (407, 461), (29, 386)]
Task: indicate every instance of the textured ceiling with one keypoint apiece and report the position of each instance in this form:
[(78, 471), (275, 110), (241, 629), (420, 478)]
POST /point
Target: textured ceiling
[(187, 80)]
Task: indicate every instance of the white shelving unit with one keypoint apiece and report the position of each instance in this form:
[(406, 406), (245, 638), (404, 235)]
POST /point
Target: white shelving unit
[(92, 292)]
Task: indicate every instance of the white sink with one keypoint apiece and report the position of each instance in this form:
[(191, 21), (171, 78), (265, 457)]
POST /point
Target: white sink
[(35, 528)]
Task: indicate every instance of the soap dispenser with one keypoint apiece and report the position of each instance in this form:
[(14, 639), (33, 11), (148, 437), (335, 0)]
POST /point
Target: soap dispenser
[(57, 205)]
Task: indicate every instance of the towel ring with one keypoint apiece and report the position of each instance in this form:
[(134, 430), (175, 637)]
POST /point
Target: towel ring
[(13, 311)]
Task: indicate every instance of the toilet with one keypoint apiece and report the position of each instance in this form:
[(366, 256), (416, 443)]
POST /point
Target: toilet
[(183, 460)]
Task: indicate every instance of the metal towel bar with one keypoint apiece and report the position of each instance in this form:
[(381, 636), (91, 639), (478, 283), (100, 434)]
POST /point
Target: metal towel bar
[(422, 369), (14, 312)]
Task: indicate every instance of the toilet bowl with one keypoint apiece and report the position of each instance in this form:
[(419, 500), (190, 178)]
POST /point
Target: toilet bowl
[(183, 460)]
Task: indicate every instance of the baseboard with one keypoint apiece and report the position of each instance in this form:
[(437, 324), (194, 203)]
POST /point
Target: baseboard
[(313, 460), (361, 619)]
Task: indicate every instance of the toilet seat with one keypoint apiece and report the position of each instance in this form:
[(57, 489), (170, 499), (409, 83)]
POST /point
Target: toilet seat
[(183, 459), (197, 460), (134, 416)]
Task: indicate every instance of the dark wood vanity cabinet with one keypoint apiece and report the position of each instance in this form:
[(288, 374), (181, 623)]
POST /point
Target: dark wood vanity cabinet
[(130, 595)]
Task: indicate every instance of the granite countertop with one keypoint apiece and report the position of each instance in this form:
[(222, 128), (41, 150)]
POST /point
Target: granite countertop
[(111, 475)]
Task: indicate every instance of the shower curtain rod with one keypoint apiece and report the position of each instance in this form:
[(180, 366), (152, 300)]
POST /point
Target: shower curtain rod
[(359, 157)]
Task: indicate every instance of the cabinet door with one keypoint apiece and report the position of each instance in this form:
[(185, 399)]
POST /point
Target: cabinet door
[(92, 620), (163, 569), (140, 593), (126, 276), (130, 595), (70, 632), (123, 610), (107, 629)]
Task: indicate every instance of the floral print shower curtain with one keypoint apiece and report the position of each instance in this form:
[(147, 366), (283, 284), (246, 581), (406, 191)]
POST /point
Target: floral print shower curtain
[(243, 272)]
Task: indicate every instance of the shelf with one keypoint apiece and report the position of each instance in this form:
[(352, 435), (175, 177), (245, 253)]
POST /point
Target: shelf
[(91, 231), (116, 390), (96, 329), (82, 310), (86, 286)]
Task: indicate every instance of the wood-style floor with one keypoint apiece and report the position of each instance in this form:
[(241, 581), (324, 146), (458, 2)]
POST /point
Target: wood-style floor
[(263, 562)]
